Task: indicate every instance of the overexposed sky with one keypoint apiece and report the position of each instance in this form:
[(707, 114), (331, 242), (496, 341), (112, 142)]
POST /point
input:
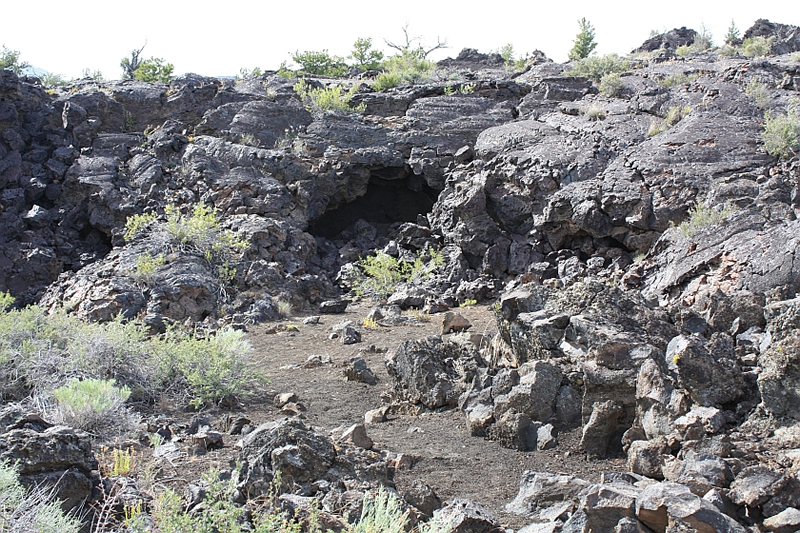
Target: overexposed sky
[(217, 39)]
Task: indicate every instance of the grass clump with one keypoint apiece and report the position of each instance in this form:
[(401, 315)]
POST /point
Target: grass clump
[(782, 133), (409, 66), (595, 67), (381, 273), (331, 98), (595, 113), (387, 80), (33, 510), (701, 217), (674, 115)]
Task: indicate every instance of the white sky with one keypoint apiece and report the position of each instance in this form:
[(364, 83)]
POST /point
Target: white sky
[(218, 38)]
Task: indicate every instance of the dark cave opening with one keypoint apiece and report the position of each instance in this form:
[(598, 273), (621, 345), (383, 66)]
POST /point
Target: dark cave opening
[(386, 202)]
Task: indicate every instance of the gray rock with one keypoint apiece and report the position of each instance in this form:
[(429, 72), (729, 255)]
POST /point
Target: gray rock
[(423, 497), (356, 369), (754, 485), (540, 490), (357, 435), (645, 457), (464, 516), (606, 504), (454, 323), (545, 439), (787, 521), (602, 429)]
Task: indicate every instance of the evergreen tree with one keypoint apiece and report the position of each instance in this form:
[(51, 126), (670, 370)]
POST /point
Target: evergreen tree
[(584, 42), (732, 37)]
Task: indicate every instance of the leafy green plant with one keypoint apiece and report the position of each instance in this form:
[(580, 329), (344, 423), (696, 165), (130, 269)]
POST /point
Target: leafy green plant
[(611, 85), (595, 68), (6, 301), (246, 73), (410, 66), (9, 60), (387, 80), (33, 510), (381, 273), (154, 70), (146, 266), (91, 404), (331, 98), (757, 46), (116, 462), (364, 56), (584, 43), (92, 74), (701, 216), (137, 224), (468, 302), (50, 79), (215, 369), (782, 133), (320, 63)]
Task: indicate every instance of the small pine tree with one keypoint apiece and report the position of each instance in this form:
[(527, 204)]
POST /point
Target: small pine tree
[(584, 42), (732, 37), (364, 55)]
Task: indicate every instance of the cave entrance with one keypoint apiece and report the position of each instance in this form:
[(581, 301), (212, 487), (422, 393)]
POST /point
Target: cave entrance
[(386, 202)]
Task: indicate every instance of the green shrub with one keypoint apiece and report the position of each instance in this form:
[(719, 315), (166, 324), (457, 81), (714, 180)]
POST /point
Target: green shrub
[(381, 273), (595, 68), (146, 266), (701, 217), (365, 57), (320, 63), (381, 513), (247, 74), (584, 43), (728, 51), (154, 70), (6, 301), (677, 79), (49, 79), (92, 74), (9, 60), (759, 93), (137, 224), (410, 66), (327, 98), (34, 510), (732, 36), (40, 352), (215, 369), (387, 80), (782, 133), (757, 46), (92, 404), (611, 85)]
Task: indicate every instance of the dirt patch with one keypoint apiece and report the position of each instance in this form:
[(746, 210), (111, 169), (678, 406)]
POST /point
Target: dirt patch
[(444, 456)]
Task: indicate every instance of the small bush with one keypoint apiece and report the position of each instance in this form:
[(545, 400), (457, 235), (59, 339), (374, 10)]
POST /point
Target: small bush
[(327, 98), (595, 68), (410, 66), (595, 113), (215, 369), (701, 216), (387, 80), (6, 301), (759, 93), (611, 85), (365, 57), (92, 404), (381, 273), (154, 70), (137, 224), (782, 133), (584, 43), (757, 46), (702, 42), (320, 63), (146, 266), (381, 513), (674, 115), (677, 79), (35, 510), (9, 60)]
